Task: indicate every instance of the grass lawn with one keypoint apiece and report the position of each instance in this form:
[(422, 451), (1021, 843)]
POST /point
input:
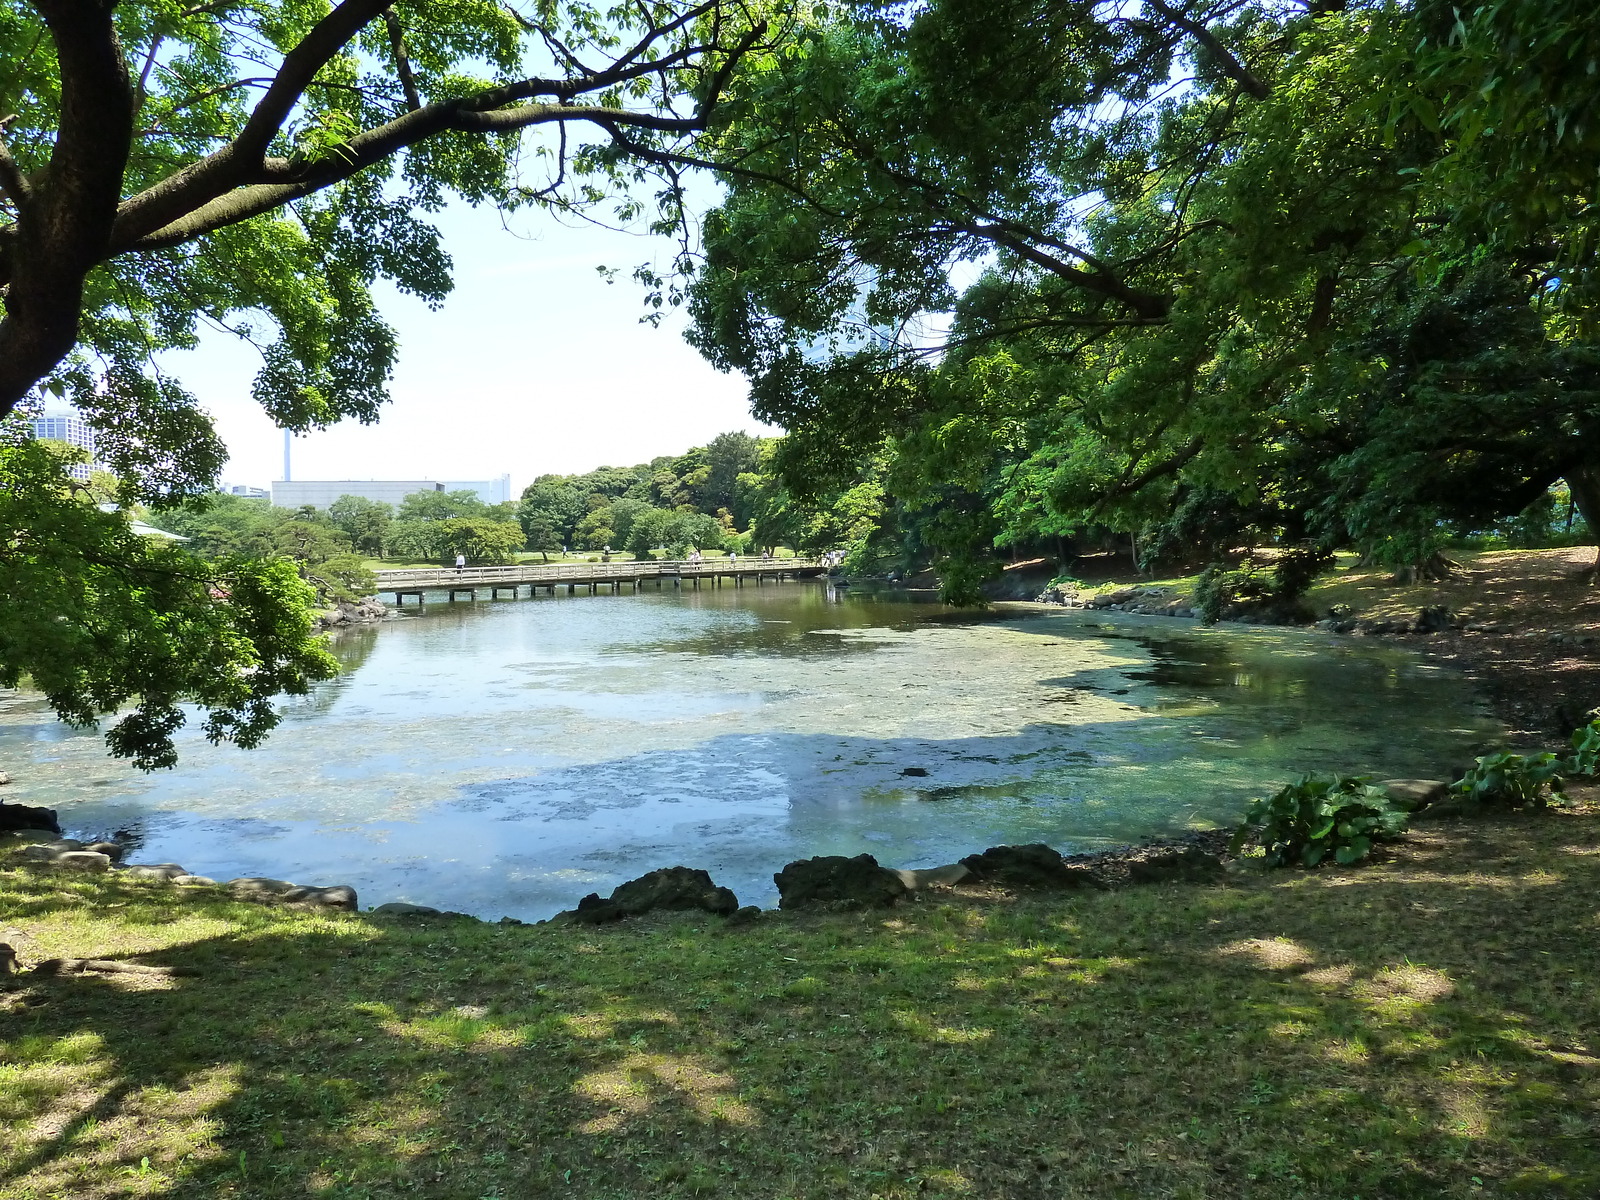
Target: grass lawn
[(1423, 1027)]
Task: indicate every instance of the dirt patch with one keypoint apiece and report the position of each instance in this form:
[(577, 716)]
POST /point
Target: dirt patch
[(1529, 636)]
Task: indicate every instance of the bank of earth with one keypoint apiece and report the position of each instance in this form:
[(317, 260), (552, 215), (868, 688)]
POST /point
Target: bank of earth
[(1523, 625), (1418, 1027)]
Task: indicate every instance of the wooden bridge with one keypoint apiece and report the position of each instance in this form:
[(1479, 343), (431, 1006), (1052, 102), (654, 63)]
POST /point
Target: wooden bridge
[(469, 581)]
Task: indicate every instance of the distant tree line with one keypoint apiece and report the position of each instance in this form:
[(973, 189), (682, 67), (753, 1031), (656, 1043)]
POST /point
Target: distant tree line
[(700, 500), (330, 548)]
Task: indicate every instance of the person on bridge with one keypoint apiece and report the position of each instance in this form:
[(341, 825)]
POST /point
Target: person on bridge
[(461, 562)]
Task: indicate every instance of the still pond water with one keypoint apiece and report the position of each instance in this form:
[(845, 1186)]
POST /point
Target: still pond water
[(506, 758)]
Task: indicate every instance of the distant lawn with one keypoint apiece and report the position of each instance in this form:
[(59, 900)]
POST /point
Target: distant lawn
[(1420, 1028), (1535, 590)]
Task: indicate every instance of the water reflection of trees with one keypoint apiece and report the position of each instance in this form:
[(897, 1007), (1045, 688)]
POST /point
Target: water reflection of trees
[(352, 646)]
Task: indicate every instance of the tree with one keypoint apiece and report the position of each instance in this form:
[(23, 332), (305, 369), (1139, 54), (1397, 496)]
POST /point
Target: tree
[(440, 506), (223, 524), (100, 619), (260, 167), (700, 530), (595, 531), (484, 542), (419, 540), (148, 145), (362, 520), (1182, 293), (552, 500), (728, 455), (652, 529), (541, 534)]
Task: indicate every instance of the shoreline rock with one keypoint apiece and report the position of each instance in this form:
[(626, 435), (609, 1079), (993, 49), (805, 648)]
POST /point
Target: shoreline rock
[(16, 818), (833, 881), (367, 611), (667, 889)]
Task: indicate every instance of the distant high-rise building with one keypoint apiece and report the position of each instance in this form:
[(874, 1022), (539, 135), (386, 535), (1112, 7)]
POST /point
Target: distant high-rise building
[(246, 490), (490, 491), (62, 422), (320, 493)]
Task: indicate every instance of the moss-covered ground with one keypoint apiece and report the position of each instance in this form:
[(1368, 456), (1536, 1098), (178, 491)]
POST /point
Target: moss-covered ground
[(1426, 1026)]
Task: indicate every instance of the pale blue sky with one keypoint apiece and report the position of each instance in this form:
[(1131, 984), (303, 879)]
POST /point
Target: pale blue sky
[(534, 364)]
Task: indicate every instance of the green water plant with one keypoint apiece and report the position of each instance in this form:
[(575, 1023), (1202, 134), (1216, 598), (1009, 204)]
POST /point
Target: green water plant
[(1307, 821), (1515, 780)]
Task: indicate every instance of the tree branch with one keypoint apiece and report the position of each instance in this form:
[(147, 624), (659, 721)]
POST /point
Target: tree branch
[(1231, 66), (402, 60), (13, 183)]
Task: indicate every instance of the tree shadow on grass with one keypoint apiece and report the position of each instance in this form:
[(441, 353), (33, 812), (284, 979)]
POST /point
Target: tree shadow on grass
[(1416, 1028)]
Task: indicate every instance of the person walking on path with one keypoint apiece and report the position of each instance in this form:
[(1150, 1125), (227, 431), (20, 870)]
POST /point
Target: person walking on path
[(461, 562)]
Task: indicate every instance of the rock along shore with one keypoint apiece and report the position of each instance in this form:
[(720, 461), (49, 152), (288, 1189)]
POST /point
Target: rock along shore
[(825, 883)]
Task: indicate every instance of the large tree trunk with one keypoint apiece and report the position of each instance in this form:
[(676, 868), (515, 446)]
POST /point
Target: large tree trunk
[(64, 218), (1584, 483)]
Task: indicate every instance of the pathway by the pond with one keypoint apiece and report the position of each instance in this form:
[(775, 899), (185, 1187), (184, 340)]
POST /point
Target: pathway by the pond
[(505, 759)]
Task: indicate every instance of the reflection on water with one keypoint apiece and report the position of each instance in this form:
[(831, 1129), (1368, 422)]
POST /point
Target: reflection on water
[(506, 758)]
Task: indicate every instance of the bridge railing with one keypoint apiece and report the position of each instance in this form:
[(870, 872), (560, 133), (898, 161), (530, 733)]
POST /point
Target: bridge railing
[(445, 577)]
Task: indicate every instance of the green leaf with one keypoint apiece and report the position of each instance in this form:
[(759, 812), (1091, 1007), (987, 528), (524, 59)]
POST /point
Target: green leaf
[(1353, 850)]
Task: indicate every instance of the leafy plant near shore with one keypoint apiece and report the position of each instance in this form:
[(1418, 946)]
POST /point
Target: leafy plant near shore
[(1307, 821), (1279, 586), (1515, 779), (1585, 758)]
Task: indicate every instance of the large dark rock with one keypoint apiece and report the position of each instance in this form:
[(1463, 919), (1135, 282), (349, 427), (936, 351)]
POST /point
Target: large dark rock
[(834, 881), (23, 816), (676, 889), (1435, 618), (1032, 866)]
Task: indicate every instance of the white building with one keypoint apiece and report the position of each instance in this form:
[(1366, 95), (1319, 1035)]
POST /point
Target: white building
[(321, 493), (490, 491), (62, 422)]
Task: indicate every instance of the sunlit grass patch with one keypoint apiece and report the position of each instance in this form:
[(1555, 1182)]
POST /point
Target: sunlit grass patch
[(1397, 1031)]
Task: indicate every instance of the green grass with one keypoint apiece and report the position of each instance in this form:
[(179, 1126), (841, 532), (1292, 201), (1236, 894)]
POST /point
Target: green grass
[(1422, 1027)]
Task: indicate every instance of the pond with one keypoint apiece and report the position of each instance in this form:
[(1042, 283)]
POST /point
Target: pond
[(506, 758)]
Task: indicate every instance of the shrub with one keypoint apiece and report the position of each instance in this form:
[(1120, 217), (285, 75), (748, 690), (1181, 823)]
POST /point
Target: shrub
[(343, 577), (1585, 758), (1304, 822), (1514, 779), (1276, 589)]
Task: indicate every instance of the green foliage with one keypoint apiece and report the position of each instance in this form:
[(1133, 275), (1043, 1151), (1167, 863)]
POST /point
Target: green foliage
[(484, 540), (101, 620), (1234, 317), (1307, 821), (341, 577), (675, 532), (1254, 584), (363, 521), (1585, 759), (440, 506), (1514, 780), (697, 500)]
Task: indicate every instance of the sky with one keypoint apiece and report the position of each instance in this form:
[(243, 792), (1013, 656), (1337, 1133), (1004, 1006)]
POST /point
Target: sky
[(533, 365)]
